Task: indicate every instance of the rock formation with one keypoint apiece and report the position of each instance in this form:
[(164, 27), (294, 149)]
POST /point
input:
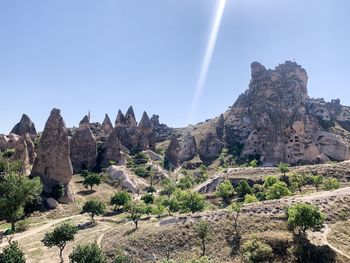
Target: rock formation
[(85, 121), (162, 131), (188, 148), (173, 150), (111, 150), (146, 129), (107, 126), (8, 141), (276, 121), (130, 118), (53, 164), (83, 149), (24, 126), (120, 120)]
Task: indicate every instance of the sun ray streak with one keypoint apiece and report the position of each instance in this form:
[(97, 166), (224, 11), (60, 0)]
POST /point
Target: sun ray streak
[(207, 60)]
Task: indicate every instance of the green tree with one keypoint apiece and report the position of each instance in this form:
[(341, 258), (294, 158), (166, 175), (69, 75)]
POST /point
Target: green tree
[(255, 251), (277, 191), (169, 187), (171, 204), (317, 181), (17, 191), (136, 209), (191, 201), (12, 254), (305, 216), (148, 198), (270, 181), (202, 230), (222, 157), (89, 253), (248, 199), (120, 199), (225, 190), (158, 209), (94, 208), (283, 168), (297, 181), (253, 163), (60, 237), (91, 180), (243, 188), (236, 209), (330, 184)]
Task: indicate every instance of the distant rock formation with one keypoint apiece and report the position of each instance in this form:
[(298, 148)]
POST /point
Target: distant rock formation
[(111, 150), (120, 120), (107, 126), (130, 118), (53, 164), (24, 126), (162, 131), (188, 148), (85, 121), (276, 121), (83, 149)]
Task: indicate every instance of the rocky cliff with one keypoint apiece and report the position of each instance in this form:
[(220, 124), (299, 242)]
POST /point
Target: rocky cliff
[(275, 121)]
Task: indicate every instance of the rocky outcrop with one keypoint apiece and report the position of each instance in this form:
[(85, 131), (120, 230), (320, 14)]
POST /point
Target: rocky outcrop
[(85, 121), (53, 164), (162, 131), (188, 148), (25, 152), (107, 126), (145, 127), (111, 150), (120, 120), (209, 148), (83, 149), (130, 119), (24, 126), (172, 152), (8, 141)]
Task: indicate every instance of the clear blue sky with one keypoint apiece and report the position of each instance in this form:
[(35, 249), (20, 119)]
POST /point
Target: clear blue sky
[(104, 55)]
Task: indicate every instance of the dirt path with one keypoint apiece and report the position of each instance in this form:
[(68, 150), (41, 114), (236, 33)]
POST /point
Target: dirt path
[(325, 241)]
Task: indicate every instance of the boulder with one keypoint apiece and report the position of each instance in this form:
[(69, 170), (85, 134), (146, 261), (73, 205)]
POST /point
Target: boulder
[(118, 174), (83, 149), (51, 203), (24, 126), (53, 164), (153, 156)]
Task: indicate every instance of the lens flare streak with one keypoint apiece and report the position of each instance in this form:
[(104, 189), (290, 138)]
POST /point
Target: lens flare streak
[(207, 59)]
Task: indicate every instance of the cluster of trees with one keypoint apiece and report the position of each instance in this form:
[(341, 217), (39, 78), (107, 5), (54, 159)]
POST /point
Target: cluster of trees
[(273, 187)]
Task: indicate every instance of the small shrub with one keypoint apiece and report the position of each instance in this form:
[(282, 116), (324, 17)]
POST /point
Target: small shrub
[(89, 253), (330, 184), (22, 226), (243, 188), (255, 251), (277, 191), (248, 199)]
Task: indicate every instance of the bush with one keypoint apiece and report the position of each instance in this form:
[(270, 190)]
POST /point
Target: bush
[(190, 201), (253, 163), (257, 251), (317, 180), (141, 158), (225, 190), (330, 184), (147, 198), (87, 254), (304, 216), (277, 191), (142, 172), (58, 191), (185, 182), (120, 199), (22, 226), (8, 153), (283, 168), (248, 199), (121, 257), (270, 181), (243, 188), (12, 254)]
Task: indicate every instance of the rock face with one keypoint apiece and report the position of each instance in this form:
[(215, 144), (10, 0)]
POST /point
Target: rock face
[(8, 141), (53, 164), (120, 120), (83, 149), (25, 152), (107, 126), (146, 129), (188, 148), (111, 150), (162, 131), (24, 126), (276, 121), (172, 152), (130, 118)]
